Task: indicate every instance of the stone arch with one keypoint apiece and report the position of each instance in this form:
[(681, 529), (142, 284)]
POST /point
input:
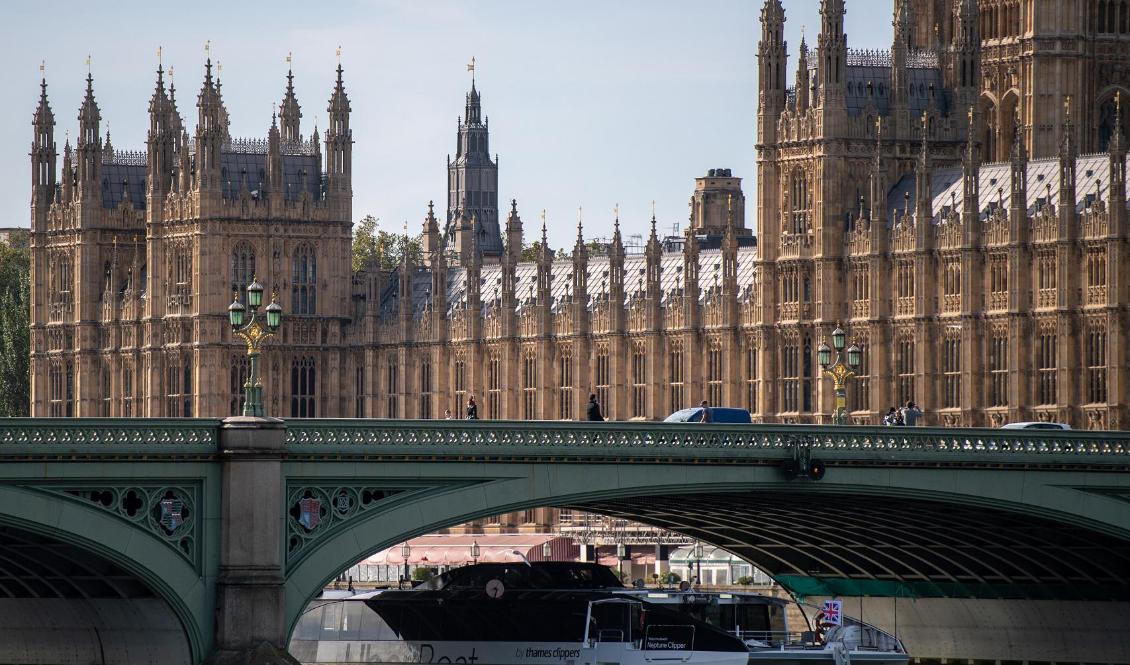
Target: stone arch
[(738, 498), (987, 107), (1007, 117), (170, 576), (1104, 115)]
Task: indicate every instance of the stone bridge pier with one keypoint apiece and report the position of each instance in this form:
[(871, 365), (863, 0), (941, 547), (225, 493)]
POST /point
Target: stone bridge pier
[(251, 584)]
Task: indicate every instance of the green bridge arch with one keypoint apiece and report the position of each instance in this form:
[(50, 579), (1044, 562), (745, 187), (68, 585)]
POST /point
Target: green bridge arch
[(447, 494)]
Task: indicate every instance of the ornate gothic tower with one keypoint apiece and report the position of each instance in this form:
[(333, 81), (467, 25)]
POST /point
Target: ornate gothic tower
[(472, 185)]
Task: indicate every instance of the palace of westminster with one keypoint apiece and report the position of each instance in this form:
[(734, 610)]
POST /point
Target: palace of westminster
[(957, 203)]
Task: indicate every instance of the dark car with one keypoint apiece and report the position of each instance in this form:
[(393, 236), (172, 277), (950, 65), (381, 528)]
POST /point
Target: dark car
[(718, 414)]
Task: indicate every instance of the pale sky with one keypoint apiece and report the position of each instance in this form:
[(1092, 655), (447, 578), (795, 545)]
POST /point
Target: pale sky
[(591, 102)]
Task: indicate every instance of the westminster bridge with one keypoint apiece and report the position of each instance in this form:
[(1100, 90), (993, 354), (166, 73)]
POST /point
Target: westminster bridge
[(179, 541)]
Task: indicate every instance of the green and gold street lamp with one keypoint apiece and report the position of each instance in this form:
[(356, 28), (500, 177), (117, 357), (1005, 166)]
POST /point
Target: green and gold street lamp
[(839, 371), (254, 333)]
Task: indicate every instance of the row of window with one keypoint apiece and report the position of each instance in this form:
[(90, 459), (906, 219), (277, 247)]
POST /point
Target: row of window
[(303, 278)]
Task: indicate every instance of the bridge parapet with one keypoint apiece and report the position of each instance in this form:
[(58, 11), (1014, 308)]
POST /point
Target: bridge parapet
[(631, 441), (101, 436)]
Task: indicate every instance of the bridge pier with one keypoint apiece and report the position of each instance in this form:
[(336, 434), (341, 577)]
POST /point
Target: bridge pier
[(251, 587)]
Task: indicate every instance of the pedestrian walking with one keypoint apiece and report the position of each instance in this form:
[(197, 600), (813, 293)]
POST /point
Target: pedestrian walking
[(910, 414), (447, 414), (472, 409), (705, 412), (889, 418), (594, 413)]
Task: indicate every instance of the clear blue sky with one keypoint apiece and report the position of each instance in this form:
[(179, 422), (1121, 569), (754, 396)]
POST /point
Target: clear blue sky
[(591, 102)]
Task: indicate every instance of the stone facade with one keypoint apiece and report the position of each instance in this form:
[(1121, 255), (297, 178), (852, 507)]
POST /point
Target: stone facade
[(985, 291)]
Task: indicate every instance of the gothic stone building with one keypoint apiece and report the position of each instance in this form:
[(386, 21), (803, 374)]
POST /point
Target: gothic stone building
[(988, 286)]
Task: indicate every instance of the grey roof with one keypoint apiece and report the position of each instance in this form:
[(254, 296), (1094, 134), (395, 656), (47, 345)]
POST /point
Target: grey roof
[(124, 177), (120, 181), (490, 285), (1092, 178)]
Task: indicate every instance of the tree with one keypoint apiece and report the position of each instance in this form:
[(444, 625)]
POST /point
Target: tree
[(386, 249), (15, 327), (530, 252)]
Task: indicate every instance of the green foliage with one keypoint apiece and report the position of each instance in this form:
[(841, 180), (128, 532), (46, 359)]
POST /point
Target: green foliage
[(423, 574), (744, 580), (530, 252), (672, 578), (15, 327), (384, 248)]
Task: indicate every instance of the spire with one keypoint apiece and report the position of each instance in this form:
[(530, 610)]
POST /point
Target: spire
[(68, 184), (89, 151), (878, 188), (832, 52), (474, 106), (803, 80), (88, 115), (925, 199), (339, 144), (211, 129), (1117, 138), (290, 113), (43, 147), (772, 61), (900, 45), (513, 233), (970, 167)]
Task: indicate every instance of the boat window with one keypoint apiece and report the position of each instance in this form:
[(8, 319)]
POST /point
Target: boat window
[(611, 622), (375, 624), (351, 621), (310, 625), (330, 615)]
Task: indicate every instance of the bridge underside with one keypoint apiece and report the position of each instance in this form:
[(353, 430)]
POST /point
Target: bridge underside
[(61, 604), (853, 545)]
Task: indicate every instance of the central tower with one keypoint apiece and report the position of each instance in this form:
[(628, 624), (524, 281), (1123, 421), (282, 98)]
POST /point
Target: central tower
[(472, 187)]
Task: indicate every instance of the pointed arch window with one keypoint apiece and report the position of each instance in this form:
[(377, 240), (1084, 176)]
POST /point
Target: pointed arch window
[(242, 269), (529, 385), (303, 387), (639, 380), (240, 369), (304, 281)]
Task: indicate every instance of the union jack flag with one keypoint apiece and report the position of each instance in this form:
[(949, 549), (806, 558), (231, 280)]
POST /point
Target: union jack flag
[(833, 612)]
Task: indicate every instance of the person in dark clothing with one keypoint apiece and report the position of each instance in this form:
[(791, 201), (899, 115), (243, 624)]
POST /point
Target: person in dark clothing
[(706, 415), (594, 412), (472, 409)]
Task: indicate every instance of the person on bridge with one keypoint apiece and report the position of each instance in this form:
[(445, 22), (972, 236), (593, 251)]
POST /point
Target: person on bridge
[(705, 412), (594, 413), (910, 414), (472, 409)]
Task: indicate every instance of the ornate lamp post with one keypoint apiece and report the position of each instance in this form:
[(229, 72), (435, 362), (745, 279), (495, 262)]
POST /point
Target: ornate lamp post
[(475, 551), (405, 552), (839, 371), (698, 562), (254, 333)]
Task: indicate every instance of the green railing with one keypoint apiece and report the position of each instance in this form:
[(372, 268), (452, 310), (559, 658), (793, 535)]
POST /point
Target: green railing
[(512, 439), (83, 436), (580, 441)]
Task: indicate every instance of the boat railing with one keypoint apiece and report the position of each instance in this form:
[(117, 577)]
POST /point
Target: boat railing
[(779, 640)]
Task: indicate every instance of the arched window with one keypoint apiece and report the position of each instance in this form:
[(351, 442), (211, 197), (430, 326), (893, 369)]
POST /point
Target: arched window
[(639, 380), (566, 407), (303, 282), (240, 369), (529, 385), (303, 388), (675, 367), (1104, 125), (242, 269), (801, 201)]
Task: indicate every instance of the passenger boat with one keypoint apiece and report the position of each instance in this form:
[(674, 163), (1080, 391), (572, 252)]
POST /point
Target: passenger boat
[(762, 623), (510, 614)]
